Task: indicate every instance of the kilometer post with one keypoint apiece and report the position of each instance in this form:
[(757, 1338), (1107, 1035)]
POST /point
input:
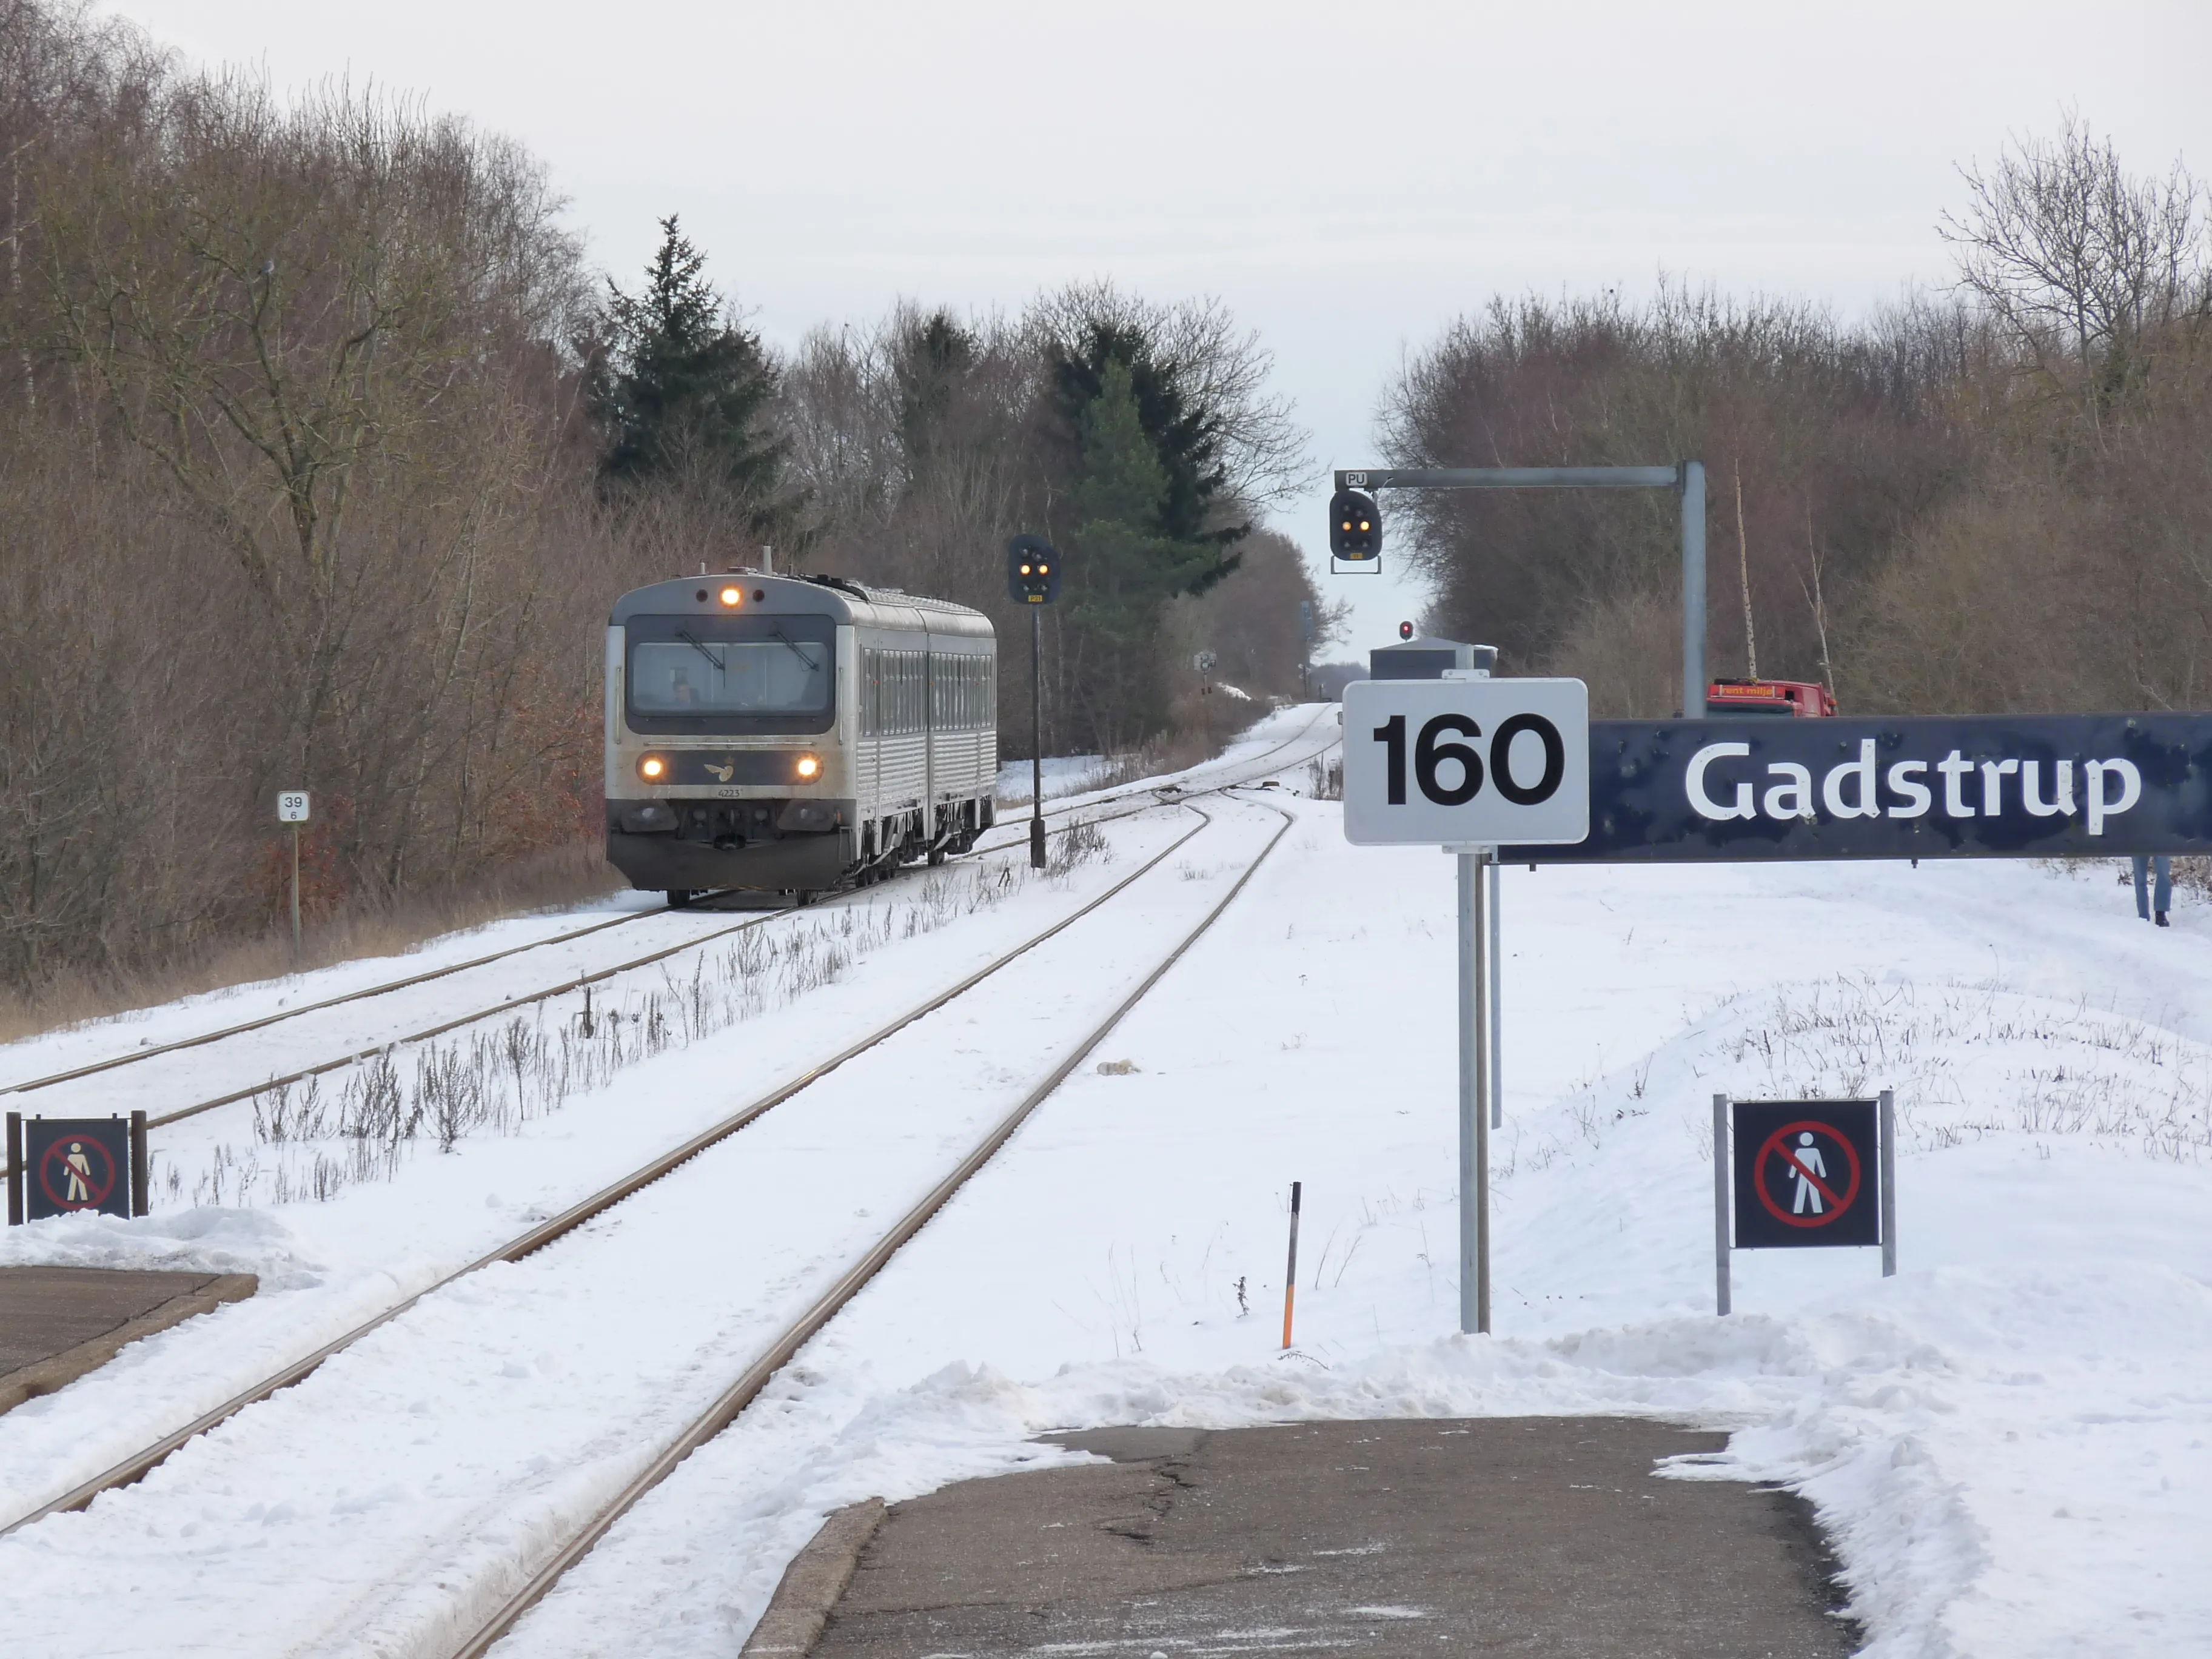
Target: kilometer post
[(292, 809), (1468, 764)]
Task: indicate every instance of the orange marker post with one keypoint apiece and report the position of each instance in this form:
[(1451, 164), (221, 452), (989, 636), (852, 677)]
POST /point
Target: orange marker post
[(1291, 1275)]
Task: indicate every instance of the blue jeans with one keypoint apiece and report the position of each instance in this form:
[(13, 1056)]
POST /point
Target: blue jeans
[(2143, 905)]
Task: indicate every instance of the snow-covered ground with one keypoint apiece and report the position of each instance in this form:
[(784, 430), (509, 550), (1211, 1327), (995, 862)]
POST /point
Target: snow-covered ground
[(1064, 775), (2009, 1441)]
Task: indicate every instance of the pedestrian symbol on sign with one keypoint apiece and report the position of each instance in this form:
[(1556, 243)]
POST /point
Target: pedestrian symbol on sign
[(80, 1177), (76, 1175), (1814, 1166)]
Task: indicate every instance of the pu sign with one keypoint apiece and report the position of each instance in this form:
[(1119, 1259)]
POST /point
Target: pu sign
[(2012, 786)]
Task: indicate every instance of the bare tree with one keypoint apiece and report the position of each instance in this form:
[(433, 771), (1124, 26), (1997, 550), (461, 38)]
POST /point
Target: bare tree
[(2087, 268)]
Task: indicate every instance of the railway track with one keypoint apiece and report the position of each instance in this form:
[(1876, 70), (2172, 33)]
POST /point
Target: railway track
[(1144, 795), (608, 1199), (731, 1403)]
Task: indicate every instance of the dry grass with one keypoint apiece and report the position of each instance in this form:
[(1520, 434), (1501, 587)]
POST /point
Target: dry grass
[(545, 880), (314, 1139), (1171, 751)]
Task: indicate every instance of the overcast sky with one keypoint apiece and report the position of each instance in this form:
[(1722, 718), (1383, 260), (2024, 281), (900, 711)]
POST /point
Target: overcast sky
[(1347, 178)]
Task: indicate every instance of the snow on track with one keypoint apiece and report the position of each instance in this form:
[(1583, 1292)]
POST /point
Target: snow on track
[(325, 1267), (2008, 1442), (552, 1380)]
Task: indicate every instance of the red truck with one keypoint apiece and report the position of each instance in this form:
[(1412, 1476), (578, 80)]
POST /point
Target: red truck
[(1792, 699)]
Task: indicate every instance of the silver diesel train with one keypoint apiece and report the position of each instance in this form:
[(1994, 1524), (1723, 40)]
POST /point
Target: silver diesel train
[(793, 733)]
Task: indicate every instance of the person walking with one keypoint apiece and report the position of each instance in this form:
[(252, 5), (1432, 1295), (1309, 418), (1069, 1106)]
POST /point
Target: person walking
[(2144, 907)]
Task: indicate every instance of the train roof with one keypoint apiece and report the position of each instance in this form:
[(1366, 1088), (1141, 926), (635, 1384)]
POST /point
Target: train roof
[(847, 600)]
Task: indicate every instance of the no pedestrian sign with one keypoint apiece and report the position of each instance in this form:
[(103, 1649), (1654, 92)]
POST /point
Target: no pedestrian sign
[(1808, 1173), (76, 1163)]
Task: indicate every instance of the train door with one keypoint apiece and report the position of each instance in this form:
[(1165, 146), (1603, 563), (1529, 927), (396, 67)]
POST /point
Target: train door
[(929, 731), (870, 766)]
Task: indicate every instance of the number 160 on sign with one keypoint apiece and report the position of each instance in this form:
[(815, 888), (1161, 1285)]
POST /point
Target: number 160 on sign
[(1466, 762)]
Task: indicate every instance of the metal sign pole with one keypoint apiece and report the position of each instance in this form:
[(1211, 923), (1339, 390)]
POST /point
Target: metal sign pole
[(1481, 1114), (1721, 1170), (1693, 590), (1497, 1006), (1888, 1172), (1037, 740), (1474, 1118), (295, 896)]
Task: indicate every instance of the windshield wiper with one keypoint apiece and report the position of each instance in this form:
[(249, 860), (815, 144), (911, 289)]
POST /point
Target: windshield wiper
[(812, 666), (721, 667)]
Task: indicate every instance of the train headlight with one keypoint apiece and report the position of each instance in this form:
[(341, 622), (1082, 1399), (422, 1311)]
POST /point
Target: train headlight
[(653, 770), (809, 767), (733, 596)]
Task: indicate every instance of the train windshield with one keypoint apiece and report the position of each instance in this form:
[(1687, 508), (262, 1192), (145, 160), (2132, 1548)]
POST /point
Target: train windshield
[(753, 673)]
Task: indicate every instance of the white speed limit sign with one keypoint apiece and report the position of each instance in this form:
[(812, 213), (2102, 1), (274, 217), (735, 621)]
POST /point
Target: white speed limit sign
[(1471, 762)]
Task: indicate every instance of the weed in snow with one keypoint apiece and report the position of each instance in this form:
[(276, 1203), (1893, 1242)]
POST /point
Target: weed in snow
[(1966, 1062), (311, 1142)]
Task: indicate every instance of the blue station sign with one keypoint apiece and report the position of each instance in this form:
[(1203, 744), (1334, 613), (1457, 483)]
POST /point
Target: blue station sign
[(2030, 786)]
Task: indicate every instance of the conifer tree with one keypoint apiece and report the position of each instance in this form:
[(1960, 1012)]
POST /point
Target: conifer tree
[(1124, 570), (683, 391), (1185, 439)]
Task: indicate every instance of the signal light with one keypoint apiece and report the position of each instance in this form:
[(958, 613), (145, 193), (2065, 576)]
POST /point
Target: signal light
[(733, 596), (1032, 570), (809, 767), (1355, 527), (1405, 631), (652, 769)]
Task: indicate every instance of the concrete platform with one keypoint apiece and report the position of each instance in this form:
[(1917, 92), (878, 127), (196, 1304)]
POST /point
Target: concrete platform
[(1529, 1536), (57, 1323)]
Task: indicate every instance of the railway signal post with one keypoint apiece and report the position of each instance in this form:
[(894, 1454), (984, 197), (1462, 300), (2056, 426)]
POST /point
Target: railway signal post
[(1355, 527), (1033, 580)]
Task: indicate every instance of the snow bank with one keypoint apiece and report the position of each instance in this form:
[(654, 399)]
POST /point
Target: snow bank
[(1064, 775), (2003, 1461), (202, 1241)]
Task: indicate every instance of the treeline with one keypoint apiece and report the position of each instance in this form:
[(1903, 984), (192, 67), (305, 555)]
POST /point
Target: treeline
[(1997, 499), (324, 450)]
